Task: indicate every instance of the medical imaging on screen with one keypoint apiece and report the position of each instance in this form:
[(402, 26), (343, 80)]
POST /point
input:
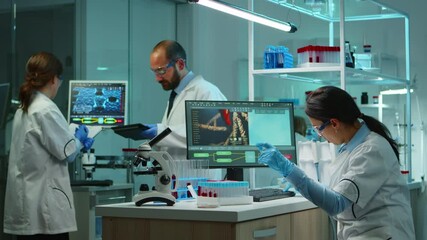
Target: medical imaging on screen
[(100, 103), (226, 133)]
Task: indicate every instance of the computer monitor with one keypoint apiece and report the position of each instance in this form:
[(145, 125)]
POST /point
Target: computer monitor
[(98, 102), (226, 132), (4, 103)]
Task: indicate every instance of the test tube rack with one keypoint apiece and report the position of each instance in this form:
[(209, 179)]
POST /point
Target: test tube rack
[(222, 193)]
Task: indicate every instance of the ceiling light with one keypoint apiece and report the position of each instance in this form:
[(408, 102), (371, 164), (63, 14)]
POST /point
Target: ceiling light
[(246, 14)]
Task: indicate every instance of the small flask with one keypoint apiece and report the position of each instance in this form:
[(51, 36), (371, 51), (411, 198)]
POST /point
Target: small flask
[(364, 98)]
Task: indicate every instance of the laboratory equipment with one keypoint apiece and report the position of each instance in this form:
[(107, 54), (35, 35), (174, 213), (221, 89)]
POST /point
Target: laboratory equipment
[(375, 99), (88, 163), (266, 194), (270, 57), (283, 58), (367, 48), (98, 103), (364, 99), (348, 55), (222, 193), (162, 169), (318, 54), (226, 132)]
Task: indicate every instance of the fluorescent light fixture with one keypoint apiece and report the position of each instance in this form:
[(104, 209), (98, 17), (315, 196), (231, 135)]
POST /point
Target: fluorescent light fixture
[(246, 14), (396, 91), (102, 68)]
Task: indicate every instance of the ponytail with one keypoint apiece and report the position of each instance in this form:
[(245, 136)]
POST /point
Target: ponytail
[(41, 68), (376, 126)]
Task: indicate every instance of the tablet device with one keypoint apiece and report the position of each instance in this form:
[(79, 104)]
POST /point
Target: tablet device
[(131, 131)]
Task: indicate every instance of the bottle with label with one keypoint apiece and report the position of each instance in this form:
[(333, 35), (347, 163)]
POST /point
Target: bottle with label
[(375, 99), (364, 98)]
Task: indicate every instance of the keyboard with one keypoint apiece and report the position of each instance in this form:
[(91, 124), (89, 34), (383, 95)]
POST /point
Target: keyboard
[(101, 183), (266, 194)]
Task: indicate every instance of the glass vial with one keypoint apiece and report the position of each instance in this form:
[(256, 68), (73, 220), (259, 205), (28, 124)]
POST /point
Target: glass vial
[(375, 99), (364, 98)]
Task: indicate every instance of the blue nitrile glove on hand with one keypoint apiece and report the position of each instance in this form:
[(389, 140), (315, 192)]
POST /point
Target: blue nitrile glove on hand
[(87, 144), (151, 132), (274, 159), (81, 133)]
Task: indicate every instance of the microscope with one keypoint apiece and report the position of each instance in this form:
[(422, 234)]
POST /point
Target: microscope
[(88, 163), (162, 170)]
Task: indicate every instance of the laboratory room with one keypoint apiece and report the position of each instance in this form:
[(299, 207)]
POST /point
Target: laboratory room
[(212, 119)]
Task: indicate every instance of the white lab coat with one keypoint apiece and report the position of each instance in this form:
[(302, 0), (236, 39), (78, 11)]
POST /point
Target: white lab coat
[(38, 198), (176, 142), (369, 176)]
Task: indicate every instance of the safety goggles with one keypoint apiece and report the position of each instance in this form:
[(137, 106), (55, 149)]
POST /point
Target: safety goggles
[(160, 71), (319, 129)]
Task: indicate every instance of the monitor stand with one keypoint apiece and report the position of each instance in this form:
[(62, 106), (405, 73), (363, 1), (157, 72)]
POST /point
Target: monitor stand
[(235, 174)]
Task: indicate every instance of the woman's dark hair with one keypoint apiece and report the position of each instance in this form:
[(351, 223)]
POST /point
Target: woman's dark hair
[(41, 68), (331, 102), (173, 49)]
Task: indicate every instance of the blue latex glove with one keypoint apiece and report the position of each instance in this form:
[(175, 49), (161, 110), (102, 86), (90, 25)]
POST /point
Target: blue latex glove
[(87, 144), (151, 132), (81, 133), (285, 184), (274, 159)]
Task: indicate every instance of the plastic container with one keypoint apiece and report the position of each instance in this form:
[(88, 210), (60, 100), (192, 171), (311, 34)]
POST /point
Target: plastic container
[(270, 61), (220, 193), (283, 58), (318, 54)]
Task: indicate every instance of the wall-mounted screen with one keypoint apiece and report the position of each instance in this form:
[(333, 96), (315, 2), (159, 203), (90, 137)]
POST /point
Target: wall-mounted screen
[(226, 132), (98, 102)]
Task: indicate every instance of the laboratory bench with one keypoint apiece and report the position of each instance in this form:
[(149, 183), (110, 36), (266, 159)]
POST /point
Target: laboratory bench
[(85, 200), (288, 218)]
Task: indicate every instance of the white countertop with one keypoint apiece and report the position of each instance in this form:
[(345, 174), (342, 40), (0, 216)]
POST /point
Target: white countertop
[(188, 210)]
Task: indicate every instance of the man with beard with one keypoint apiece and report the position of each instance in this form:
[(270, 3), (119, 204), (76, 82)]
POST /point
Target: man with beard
[(168, 63)]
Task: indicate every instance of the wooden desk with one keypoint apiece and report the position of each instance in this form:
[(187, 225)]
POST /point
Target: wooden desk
[(290, 218)]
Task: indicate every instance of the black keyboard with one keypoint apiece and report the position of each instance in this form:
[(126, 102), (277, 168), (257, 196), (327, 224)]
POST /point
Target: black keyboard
[(102, 183), (266, 194)]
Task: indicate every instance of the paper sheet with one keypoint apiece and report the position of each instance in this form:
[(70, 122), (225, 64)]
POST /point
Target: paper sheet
[(93, 130)]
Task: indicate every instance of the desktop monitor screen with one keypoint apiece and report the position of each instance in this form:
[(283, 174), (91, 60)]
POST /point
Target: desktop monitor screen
[(4, 103), (98, 103), (226, 132)]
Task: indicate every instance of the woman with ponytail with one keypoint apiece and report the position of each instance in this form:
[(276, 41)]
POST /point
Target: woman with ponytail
[(367, 194), (39, 200)]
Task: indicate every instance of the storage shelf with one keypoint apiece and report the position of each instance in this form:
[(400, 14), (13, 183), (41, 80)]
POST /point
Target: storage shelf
[(329, 11), (330, 76)]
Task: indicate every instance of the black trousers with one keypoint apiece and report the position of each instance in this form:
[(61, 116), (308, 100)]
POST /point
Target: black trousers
[(61, 236)]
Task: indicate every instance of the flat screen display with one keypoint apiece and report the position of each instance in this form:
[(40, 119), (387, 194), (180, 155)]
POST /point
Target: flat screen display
[(226, 132), (98, 102)]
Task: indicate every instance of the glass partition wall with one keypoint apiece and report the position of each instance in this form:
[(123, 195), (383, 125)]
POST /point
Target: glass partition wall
[(95, 40)]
